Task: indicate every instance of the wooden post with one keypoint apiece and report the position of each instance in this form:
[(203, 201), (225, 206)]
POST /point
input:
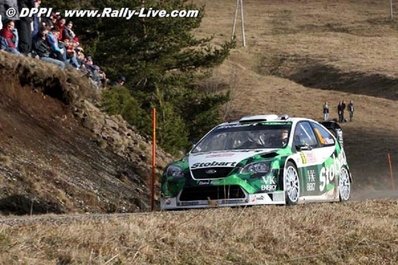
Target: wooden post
[(153, 159), (391, 175)]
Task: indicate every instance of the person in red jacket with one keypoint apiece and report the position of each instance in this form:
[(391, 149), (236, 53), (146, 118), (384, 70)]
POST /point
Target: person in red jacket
[(61, 27), (9, 38)]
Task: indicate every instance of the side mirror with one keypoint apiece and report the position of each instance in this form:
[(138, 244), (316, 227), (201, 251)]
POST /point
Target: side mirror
[(305, 147), (193, 143)]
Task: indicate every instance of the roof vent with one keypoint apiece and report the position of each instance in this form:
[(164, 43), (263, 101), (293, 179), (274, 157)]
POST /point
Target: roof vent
[(258, 118), (284, 117)]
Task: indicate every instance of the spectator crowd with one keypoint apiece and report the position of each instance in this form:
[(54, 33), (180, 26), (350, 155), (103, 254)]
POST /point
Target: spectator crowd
[(50, 39), (341, 107)]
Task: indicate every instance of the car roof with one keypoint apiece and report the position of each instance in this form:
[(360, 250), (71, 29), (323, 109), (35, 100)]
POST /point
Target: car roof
[(265, 118)]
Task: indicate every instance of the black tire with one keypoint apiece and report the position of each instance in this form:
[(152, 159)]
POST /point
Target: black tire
[(292, 184)]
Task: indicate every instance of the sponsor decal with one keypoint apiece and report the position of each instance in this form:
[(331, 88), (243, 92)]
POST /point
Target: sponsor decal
[(232, 201), (329, 172), (220, 155), (311, 180), (329, 141), (189, 203), (260, 197), (213, 164), (310, 158), (211, 171), (269, 183), (268, 187), (307, 158), (204, 182)]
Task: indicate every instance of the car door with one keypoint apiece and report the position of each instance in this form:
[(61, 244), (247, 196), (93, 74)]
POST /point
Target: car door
[(328, 162), (305, 144)]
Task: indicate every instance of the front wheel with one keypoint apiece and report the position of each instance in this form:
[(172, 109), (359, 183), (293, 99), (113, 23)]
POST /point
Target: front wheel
[(292, 184), (344, 185)]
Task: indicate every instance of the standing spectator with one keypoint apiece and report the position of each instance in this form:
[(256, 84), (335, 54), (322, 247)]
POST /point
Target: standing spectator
[(24, 28), (9, 38), (42, 49), (326, 111), (340, 111), (36, 20), (351, 109)]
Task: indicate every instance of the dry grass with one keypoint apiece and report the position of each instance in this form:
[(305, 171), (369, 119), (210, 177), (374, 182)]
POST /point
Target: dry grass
[(5, 160), (352, 233), (68, 86)]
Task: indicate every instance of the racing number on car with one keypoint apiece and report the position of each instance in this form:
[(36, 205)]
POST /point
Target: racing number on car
[(303, 158)]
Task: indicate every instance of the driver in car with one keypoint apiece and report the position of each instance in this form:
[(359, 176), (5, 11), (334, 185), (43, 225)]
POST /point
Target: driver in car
[(284, 137), (253, 141), (281, 140)]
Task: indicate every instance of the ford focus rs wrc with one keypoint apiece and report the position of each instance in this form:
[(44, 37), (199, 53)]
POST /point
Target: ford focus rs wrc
[(263, 159)]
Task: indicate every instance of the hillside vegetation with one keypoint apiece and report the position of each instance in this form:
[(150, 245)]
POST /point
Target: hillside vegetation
[(300, 54)]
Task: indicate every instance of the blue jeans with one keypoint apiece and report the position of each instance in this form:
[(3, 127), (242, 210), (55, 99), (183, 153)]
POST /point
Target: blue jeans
[(58, 63), (13, 51), (73, 61)]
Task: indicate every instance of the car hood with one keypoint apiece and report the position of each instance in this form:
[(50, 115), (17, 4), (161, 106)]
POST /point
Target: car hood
[(223, 158)]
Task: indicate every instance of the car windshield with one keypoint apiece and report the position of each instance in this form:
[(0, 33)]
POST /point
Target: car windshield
[(243, 137)]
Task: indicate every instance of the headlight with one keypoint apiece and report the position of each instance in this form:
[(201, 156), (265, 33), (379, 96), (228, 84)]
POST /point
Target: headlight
[(174, 171), (257, 167)]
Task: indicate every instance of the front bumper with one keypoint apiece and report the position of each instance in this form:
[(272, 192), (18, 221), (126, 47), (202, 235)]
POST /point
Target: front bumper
[(277, 197)]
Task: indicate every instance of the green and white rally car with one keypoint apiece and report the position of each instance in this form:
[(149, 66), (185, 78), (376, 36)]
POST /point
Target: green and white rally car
[(263, 159)]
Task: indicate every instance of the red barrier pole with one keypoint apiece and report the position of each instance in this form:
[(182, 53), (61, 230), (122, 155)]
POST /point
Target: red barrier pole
[(391, 175), (153, 159)]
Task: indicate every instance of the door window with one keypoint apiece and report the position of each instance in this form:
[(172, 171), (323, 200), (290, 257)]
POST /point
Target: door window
[(304, 135), (324, 137)]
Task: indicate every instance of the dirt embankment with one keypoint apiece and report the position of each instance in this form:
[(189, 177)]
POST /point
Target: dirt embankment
[(58, 152)]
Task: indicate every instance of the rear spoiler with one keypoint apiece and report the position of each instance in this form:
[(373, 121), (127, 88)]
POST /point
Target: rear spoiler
[(335, 129)]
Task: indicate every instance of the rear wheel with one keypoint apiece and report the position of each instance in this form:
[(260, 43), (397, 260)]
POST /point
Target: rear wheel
[(344, 185), (292, 184)]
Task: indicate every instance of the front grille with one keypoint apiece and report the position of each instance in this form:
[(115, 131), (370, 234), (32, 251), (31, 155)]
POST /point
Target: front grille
[(212, 193), (211, 172)]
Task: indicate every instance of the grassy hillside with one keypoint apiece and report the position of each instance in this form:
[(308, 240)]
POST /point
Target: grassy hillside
[(300, 54)]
